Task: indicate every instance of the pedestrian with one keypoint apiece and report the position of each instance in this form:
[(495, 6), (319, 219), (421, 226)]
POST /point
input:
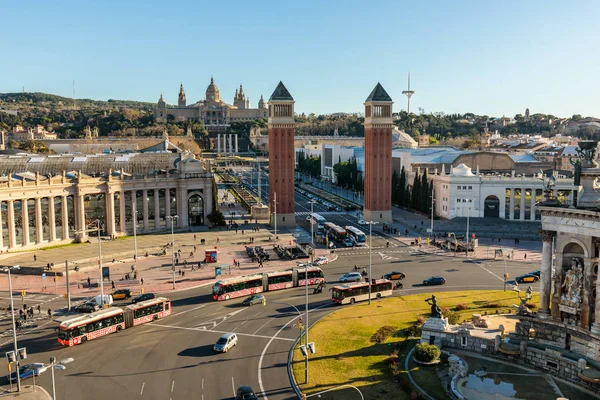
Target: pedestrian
[(218, 240), (39, 308), (525, 256), (34, 257), (89, 282), (113, 285), (194, 249), (234, 262), (179, 272), (194, 238), (142, 281), (498, 240), (132, 268), (182, 273), (49, 313)]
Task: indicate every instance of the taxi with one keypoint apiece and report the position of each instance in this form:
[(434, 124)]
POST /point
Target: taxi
[(394, 276), (121, 294)]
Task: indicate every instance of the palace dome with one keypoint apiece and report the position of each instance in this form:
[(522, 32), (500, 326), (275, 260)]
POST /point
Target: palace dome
[(212, 92)]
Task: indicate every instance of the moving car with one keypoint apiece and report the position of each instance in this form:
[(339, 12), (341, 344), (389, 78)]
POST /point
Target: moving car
[(361, 222), (121, 294), (321, 260), (254, 299), (226, 342), (245, 393), (351, 277), (394, 275), (87, 307), (348, 243), (527, 278), (27, 371), (142, 297), (434, 280), (537, 273)]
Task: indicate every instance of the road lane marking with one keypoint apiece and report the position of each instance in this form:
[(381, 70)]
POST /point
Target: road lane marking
[(233, 387), (142, 391), (215, 331), (263, 325), (172, 386), (479, 264), (202, 385), (191, 309)]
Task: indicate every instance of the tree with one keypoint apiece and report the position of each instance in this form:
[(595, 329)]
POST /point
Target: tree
[(403, 189)]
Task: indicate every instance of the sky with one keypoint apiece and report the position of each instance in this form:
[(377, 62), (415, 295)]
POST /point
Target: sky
[(487, 57)]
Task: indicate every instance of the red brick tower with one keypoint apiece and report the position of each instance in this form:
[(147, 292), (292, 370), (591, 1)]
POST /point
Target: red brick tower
[(378, 157), (281, 158)]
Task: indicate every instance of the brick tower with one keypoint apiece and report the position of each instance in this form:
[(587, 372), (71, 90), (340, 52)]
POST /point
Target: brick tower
[(378, 157), (281, 158)]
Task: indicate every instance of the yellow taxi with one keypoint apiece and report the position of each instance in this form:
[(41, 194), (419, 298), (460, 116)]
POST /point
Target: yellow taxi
[(121, 294)]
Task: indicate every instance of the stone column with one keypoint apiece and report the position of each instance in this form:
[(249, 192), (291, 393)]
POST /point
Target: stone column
[(237, 150), (80, 212), (145, 203), (167, 204), (65, 218), (123, 226), (586, 300), (511, 209), (546, 273), (133, 211), (52, 219), (231, 143), (596, 324), (532, 215), (1, 232), (25, 221), (110, 213), (558, 278), (10, 224), (39, 224), (522, 205), (218, 143), (156, 209)]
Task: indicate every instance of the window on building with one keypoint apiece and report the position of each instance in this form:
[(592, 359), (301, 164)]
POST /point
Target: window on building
[(470, 187), (458, 200)]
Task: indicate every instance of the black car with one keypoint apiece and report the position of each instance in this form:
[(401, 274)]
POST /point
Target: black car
[(142, 297), (394, 275), (245, 393), (88, 307), (434, 280), (527, 278)]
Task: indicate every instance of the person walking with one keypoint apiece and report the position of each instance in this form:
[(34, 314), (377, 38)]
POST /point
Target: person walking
[(113, 285), (34, 257), (39, 308), (525, 257), (49, 313), (89, 281)]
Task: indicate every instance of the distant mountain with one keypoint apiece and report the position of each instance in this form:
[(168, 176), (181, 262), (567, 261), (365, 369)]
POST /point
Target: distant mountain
[(45, 99)]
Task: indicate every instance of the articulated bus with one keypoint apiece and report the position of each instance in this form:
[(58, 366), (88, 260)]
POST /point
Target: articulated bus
[(317, 219), (356, 235), (349, 293), (269, 281), (110, 320)]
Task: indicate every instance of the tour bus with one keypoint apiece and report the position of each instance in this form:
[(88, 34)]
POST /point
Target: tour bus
[(356, 235), (110, 320), (349, 293), (319, 220), (251, 284)]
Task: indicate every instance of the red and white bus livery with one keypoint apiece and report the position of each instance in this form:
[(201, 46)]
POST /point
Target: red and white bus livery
[(248, 285), (87, 327)]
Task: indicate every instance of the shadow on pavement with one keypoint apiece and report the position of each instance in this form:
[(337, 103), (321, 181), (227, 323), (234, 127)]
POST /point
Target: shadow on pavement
[(200, 351)]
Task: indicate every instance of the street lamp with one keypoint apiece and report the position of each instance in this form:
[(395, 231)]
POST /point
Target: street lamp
[(312, 222), (275, 212), (432, 200), (134, 212), (371, 223), (172, 218), (14, 327), (57, 365), (468, 215), (97, 229)]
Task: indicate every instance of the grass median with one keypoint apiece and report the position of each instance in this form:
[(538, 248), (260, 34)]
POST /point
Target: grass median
[(347, 355)]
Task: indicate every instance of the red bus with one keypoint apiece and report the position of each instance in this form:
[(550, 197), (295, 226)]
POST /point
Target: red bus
[(110, 320), (247, 285), (237, 287)]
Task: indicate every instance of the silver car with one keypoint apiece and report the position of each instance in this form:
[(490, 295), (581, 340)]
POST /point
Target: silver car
[(351, 277), (226, 342)]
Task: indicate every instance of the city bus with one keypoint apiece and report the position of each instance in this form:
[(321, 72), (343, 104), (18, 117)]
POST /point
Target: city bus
[(110, 320), (337, 233), (356, 235), (251, 284), (319, 220), (349, 293)]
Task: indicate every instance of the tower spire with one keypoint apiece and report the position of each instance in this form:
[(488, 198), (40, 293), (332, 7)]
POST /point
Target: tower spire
[(408, 93)]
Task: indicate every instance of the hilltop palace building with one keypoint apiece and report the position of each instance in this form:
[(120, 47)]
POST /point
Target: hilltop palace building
[(212, 111), (49, 200)]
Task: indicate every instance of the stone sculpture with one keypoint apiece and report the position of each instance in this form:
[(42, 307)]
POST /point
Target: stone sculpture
[(436, 311)]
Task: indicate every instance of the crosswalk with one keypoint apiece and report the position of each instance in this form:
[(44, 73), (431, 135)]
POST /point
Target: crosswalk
[(307, 213), (385, 256)]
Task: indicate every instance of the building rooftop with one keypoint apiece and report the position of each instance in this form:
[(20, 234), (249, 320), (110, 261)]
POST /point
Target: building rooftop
[(378, 94), (281, 93)]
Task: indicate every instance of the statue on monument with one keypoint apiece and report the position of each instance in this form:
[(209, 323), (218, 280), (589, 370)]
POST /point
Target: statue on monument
[(572, 283), (436, 311)]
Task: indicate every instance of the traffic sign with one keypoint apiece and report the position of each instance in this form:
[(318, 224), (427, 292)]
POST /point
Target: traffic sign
[(44, 276), (23, 293)]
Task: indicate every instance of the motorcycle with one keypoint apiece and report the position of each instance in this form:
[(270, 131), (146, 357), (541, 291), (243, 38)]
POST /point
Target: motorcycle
[(398, 285)]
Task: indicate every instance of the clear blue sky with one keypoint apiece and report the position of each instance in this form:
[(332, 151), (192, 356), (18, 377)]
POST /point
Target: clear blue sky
[(486, 57)]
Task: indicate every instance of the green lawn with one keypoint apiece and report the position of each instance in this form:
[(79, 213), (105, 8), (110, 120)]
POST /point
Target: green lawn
[(345, 354)]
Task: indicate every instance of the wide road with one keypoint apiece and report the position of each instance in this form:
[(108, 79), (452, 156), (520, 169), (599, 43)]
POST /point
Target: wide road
[(173, 358)]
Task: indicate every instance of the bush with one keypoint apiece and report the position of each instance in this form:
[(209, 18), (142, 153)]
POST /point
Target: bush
[(382, 334), (405, 384), (414, 395), (413, 331), (427, 352), (492, 305), (461, 307), (453, 317), (420, 320)]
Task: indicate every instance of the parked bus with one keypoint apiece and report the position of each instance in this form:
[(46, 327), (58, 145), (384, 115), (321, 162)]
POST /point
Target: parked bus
[(356, 235), (317, 219), (251, 284), (110, 320), (335, 232), (349, 293)]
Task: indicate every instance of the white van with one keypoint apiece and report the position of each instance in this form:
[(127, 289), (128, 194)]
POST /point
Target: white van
[(108, 300)]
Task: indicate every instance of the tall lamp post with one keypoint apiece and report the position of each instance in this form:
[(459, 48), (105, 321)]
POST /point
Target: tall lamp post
[(97, 229), (432, 209), (371, 223), (172, 218), (275, 212), (312, 222), (467, 238), (14, 327), (134, 212)]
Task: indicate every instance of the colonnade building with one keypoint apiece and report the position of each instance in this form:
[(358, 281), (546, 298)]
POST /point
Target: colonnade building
[(49, 200)]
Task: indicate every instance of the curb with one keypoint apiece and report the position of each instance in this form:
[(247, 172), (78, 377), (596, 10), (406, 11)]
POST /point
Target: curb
[(419, 388)]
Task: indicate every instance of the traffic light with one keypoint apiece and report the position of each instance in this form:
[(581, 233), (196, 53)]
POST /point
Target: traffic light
[(10, 356), (23, 293), (264, 301), (22, 353), (303, 350), (505, 276), (311, 347)]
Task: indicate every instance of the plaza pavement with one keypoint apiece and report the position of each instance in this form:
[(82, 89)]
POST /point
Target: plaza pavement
[(27, 393)]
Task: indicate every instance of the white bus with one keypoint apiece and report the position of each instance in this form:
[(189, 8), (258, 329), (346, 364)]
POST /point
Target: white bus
[(349, 293), (356, 235), (317, 219)]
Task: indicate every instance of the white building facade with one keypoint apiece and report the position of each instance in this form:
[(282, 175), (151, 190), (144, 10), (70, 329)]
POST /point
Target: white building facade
[(463, 193)]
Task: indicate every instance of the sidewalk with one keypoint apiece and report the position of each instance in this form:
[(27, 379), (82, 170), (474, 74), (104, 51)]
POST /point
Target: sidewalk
[(27, 393)]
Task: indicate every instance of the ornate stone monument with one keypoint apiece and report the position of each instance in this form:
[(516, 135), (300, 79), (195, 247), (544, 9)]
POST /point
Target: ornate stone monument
[(436, 322)]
